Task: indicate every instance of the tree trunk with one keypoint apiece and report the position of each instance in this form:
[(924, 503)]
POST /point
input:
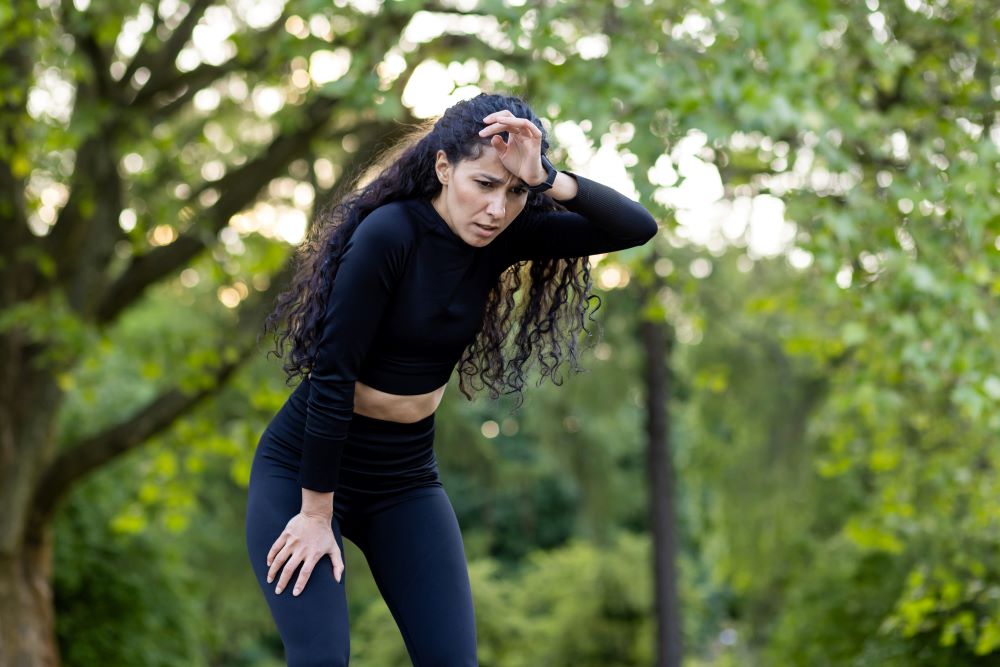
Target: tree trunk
[(658, 343), (29, 402), (27, 616)]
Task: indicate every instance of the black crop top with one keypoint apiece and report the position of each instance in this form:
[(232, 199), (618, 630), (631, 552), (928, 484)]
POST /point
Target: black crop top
[(410, 295)]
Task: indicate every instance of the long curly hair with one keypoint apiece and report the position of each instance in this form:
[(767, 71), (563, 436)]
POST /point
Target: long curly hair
[(550, 317)]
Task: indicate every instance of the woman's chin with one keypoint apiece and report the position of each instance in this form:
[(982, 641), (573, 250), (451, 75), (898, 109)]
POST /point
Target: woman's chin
[(480, 235)]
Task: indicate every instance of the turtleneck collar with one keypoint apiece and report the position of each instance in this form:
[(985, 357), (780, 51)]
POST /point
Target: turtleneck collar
[(439, 226)]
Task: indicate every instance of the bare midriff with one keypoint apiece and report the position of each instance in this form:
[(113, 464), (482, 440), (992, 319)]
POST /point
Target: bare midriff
[(371, 402)]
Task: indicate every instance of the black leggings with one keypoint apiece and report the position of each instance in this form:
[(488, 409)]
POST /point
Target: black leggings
[(390, 504)]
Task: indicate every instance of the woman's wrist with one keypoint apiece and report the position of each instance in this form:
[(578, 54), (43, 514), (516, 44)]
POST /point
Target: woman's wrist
[(540, 177), (315, 503), (563, 188)]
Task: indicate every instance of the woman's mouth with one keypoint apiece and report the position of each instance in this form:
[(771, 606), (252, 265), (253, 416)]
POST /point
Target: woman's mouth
[(484, 230)]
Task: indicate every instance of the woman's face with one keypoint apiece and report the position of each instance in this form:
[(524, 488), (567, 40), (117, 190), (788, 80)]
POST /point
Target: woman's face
[(478, 198)]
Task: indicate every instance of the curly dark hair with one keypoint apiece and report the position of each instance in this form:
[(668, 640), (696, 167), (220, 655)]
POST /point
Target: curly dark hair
[(559, 291)]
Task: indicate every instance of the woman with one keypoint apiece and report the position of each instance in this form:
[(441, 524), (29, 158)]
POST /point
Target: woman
[(402, 280)]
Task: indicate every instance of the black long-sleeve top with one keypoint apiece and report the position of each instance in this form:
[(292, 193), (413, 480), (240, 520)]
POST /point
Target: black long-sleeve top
[(410, 295)]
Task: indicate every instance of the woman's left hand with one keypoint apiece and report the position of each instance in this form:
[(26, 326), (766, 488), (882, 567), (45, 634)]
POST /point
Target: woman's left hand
[(521, 154)]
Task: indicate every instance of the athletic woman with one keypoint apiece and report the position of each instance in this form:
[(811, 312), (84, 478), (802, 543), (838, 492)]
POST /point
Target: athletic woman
[(399, 282)]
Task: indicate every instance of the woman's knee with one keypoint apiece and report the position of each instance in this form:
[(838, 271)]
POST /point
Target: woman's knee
[(314, 627)]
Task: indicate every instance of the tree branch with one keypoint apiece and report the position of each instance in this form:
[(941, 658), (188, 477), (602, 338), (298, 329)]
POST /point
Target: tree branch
[(375, 137), (78, 460), (175, 96), (107, 87), (71, 21), (180, 88), (84, 236), (161, 63), (238, 188), (143, 54)]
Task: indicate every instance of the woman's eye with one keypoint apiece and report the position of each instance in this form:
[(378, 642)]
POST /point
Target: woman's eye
[(519, 191), (485, 184)]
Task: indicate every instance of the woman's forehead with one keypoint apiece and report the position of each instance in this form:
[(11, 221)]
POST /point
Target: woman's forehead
[(489, 164)]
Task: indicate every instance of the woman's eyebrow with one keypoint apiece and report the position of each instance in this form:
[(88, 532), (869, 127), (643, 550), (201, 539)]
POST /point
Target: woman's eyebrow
[(494, 179)]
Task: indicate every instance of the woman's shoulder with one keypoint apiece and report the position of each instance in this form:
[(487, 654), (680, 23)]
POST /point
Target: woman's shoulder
[(391, 225)]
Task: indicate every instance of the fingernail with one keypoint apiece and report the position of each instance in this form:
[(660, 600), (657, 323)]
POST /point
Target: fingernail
[(278, 590), (269, 579), (296, 591)]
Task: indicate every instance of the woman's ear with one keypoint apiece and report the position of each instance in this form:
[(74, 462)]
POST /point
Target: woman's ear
[(442, 167)]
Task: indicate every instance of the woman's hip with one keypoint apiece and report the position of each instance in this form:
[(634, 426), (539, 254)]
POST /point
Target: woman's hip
[(380, 459)]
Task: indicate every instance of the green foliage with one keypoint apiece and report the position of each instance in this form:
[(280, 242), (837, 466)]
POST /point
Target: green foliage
[(53, 327), (578, 604), (150, 569), (123, 596)]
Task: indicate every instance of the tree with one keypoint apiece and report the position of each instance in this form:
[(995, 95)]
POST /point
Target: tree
[(658, 342), (875, 124)]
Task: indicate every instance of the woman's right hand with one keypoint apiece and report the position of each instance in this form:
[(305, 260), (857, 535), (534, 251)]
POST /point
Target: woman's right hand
[(305, 539)]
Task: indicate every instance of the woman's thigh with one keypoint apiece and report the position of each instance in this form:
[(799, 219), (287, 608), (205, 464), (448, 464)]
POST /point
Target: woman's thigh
[(415, 551), (313, 625)]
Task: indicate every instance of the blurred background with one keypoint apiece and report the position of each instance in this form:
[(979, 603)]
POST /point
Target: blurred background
[(784, 450)]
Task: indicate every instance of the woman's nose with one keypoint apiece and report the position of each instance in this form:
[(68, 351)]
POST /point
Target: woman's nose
[(496, 206)]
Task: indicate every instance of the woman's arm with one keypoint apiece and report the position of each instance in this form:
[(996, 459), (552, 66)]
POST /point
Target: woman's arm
[(600, 219), (371, 264)]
